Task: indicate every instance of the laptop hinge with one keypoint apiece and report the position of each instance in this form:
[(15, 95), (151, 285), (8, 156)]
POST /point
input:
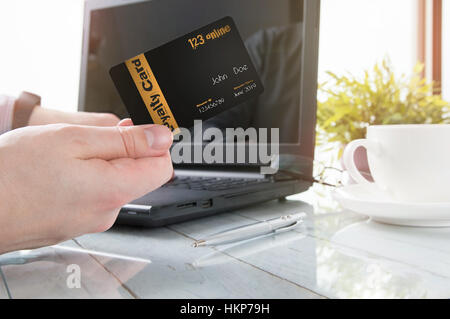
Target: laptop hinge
[(218, 173)]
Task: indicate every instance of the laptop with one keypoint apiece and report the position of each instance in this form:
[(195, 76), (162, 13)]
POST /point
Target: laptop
[(282, 38)]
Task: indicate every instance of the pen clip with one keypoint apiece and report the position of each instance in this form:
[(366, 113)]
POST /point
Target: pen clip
[(288, 228)]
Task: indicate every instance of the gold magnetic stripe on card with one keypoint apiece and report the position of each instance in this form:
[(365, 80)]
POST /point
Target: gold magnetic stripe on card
[(151, 93)]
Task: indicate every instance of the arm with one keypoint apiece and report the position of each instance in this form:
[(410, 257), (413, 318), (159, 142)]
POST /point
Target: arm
[(16, 113), (6, 113), (26, 111)]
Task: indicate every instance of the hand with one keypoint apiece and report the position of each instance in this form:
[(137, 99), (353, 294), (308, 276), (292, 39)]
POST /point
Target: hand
[(61, 181), (43, 116)]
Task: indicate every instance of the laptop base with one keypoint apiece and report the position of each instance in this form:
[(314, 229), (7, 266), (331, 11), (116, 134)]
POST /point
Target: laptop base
[(173, 204)]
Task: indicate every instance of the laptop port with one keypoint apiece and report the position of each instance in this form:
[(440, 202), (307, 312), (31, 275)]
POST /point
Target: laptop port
[(187, 205), (206, 203)]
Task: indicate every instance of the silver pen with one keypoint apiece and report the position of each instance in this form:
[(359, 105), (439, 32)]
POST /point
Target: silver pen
[(277, 225)]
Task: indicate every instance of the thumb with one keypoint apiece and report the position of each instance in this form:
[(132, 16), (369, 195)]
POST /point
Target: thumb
[(110, 143)]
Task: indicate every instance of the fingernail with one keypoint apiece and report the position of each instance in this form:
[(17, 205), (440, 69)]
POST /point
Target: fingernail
[(125, 122), (158, 137)]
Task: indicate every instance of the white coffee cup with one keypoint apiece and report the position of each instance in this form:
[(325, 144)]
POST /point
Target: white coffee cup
[(410, 162)]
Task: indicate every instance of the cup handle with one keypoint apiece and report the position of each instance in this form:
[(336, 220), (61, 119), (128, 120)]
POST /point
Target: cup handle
[(349, 158)]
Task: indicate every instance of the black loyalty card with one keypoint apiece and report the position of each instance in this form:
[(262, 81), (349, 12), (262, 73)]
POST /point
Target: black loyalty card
[(196, 76)]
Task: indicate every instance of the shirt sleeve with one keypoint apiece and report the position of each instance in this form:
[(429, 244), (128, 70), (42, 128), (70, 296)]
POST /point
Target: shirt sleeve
[(6, 113)]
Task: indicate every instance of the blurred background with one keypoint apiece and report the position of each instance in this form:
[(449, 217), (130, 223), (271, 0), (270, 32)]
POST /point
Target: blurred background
[(41, 42)]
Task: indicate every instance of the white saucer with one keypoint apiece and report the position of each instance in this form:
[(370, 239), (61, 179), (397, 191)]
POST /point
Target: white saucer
[(378, 205)]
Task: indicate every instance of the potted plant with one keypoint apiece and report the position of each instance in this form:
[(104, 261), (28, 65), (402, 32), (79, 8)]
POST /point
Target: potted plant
[(348, 105)]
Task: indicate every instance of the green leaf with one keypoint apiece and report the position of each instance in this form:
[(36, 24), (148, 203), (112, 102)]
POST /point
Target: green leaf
[(348, 105)]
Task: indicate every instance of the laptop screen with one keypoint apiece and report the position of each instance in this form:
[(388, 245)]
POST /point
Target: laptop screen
[(273, 32)]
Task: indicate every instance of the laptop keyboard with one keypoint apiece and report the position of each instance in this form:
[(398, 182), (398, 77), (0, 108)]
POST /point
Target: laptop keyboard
[(214, 183)]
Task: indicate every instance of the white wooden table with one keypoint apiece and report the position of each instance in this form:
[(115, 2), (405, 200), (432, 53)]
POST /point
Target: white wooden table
[(337, 254)]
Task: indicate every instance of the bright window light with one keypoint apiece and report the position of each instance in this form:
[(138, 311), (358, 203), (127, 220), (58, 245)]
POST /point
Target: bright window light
[(41, 49), (355, 34)]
